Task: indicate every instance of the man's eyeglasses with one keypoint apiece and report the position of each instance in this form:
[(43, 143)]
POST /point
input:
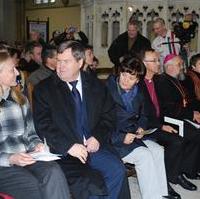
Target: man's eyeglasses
[(152, 60)]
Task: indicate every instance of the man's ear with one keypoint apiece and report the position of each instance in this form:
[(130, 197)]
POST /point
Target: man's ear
[(81, 63)]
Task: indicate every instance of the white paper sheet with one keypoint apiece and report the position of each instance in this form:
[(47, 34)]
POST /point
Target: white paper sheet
[(149, 131), (45, 156)]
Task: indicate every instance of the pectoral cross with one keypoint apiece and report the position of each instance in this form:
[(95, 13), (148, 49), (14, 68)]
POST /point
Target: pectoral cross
[(184, 102)]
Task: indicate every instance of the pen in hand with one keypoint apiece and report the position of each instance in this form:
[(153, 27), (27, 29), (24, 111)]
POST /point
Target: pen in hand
[(46, 147)]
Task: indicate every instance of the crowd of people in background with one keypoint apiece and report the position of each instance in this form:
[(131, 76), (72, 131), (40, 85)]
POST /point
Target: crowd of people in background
[(50, 92)]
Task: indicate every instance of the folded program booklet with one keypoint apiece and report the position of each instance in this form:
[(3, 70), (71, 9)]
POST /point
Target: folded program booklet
[(193, 123), (149, 131), (45, 156), (177, 122)]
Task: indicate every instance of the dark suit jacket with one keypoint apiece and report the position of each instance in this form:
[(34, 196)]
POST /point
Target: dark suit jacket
[(171, 100), (153, 120), (54, 114), (119, 47), (54, 118), (126, 121)]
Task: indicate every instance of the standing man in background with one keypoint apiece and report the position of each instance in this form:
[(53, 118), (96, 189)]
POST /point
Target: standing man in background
[(130, 41), (166, 42)]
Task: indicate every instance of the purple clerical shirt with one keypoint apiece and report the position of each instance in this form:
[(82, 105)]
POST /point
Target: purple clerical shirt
[(152, 93)]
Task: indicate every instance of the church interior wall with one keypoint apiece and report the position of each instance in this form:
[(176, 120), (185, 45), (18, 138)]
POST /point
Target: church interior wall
[(59, 18), (98, 17)]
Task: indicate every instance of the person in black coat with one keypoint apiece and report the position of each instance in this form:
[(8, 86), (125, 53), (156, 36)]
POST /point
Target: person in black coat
[(130, 41), (74, 112), (32, 60), (174, 103), (166, 135)]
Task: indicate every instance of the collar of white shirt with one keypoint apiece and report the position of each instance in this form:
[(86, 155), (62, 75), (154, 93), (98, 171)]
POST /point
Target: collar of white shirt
[(78, 85)]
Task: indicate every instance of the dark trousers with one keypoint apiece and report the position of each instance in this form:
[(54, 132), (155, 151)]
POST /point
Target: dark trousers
[(42, 180), (191, 159), (174, 153), (112, 170), (87, 180)]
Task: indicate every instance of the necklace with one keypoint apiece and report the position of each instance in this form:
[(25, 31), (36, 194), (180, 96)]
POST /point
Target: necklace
[(182, 92)]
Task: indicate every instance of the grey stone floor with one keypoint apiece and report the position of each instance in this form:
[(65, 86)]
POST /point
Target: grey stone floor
[(135, 192)]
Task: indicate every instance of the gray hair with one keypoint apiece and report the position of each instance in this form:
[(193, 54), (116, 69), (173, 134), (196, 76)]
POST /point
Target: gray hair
[(78, 50), (159, 20)]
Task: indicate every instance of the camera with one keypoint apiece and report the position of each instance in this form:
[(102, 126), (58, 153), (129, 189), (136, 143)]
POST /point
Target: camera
[(72, 29), (185, 31)]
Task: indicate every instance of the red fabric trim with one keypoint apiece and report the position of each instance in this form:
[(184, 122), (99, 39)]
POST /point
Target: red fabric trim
[(173, 46)]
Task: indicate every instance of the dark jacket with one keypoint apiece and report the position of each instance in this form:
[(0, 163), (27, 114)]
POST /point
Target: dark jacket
[(153, 120), (54, 113), (119, 47), (37, 76), (54, 118), (28, 66), (171, 99), (126, 121)]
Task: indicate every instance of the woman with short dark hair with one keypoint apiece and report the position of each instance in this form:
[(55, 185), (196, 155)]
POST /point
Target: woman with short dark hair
[(129, 139)]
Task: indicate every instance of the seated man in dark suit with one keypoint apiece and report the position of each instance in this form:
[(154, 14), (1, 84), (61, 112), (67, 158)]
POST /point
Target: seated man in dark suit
[(75, 113), (173, 103), (166, 135)]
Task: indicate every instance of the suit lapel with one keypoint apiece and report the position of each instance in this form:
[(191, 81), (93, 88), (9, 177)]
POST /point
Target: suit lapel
[(88, 97)]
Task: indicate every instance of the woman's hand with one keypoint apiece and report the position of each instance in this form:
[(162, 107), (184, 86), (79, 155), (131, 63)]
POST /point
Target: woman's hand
[(129, 138), (139, 133), (21, 159)]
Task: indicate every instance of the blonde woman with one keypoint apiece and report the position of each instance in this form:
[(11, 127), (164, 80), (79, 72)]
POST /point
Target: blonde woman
[(20, 175)]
